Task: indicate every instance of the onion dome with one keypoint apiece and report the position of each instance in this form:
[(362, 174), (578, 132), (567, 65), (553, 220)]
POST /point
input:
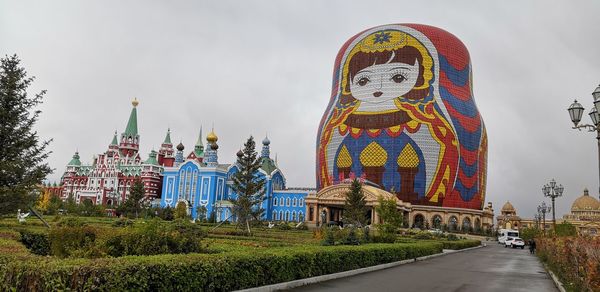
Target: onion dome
[(266, 141), (240, 153), (508, 207), (180, 146), (212, 137), (135, 102), (585, 203)]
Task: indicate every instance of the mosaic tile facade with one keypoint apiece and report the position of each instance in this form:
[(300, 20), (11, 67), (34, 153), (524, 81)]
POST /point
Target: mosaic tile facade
[(402, 115)]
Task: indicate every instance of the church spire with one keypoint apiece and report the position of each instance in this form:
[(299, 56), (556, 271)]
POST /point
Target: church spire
[(199, 147), (132, 128), (114, 140), (130, 139), (168, 137)]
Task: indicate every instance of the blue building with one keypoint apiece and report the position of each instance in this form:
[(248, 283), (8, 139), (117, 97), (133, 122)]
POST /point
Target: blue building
[(200, 180)]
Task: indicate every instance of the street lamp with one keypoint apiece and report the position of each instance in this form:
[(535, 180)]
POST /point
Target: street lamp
[(576, 111), (543, 209), (537, 218), (553, 191)]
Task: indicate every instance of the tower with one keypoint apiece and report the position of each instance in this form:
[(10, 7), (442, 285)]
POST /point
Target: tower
[(151, 171), (211, 158), (265, 153), (130, 139), (179, 155), (198, 152), (165, 153)]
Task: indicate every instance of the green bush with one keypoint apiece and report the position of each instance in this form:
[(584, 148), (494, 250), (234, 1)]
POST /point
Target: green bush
[(423, 235), (123, 222), (204, 272), (452, 237), (37, 243), (72, 241), (156, 237), (461, 244)]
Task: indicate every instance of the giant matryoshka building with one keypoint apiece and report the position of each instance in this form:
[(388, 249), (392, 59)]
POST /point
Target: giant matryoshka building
[(402, 117)]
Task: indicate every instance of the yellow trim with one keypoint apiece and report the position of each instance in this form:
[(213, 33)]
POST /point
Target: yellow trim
[(375, 113)]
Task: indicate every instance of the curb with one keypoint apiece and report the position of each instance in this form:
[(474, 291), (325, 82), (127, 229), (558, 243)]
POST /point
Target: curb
[(323, 278), (557, 282)]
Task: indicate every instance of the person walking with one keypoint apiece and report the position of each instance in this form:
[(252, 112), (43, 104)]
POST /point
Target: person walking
[(532, 246)]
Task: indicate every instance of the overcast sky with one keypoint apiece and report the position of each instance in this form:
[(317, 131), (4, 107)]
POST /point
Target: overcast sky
[(257, 67)]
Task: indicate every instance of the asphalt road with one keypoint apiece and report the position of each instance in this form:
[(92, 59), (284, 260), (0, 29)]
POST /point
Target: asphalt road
[(491, 268)]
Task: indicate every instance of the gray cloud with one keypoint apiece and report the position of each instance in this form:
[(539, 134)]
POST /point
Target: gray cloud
[(257, 67)]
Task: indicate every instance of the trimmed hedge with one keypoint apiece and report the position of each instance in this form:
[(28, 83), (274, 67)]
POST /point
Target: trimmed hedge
[(205, 272), (461, 244)]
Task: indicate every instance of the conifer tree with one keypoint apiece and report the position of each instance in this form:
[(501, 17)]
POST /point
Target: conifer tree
[(22, 154), (132, 205), (248, 187), (355, 206)]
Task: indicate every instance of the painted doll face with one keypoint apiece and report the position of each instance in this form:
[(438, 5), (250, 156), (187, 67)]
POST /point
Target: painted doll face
[(383, 82)]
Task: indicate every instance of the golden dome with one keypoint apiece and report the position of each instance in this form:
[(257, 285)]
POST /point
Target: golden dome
[(212, 137), (135, 102), (585, 203), (508, 207)]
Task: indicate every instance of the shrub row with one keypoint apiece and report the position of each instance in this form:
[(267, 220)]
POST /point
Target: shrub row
[(205, 272), (460, 244), (74, 239), (576, 260)]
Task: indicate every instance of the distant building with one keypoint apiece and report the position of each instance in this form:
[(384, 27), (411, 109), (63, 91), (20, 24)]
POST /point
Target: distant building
[(508, 218), (108, 179), (203, 184)]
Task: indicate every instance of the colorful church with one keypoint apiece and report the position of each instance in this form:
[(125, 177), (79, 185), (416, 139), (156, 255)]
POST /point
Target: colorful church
[(204, 185)]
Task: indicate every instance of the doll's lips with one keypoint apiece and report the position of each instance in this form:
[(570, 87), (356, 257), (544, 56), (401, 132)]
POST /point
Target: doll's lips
[(377, 93)]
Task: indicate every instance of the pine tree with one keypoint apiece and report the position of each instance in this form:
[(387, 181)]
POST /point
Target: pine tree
[(22, 154), (133, 205), (248, 187), (355, 206)]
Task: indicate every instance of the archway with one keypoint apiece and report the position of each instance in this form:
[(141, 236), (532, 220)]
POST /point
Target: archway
[(477, 225), (466, 226), (436, 222), (419, 221), (453, 223)]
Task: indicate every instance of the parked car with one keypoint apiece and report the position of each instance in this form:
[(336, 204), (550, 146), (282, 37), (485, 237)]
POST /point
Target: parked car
[(514, 242)]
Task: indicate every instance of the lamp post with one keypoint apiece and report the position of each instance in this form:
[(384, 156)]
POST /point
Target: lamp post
[(553, 191), (543, 209), (537, 217), (576, 111)]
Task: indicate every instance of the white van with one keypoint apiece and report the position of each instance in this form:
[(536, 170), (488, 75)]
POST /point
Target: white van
[(504, 233)]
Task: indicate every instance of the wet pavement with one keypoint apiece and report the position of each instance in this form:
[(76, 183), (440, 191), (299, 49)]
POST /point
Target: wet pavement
[(491, 268)]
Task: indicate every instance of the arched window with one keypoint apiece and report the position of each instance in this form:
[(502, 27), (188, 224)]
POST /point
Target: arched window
[(274, 215), (275, 202), (281, 202), (293, 216), (300, 216), (280, 215), (295, 202), (453, 223), (419, 221), (301, 203), (287, 202), (466, 226), (287, 215), (436, 222), (477, 225)]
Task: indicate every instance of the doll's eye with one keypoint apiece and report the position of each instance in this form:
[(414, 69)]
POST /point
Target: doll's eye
[(363, 81), (398, 78)]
